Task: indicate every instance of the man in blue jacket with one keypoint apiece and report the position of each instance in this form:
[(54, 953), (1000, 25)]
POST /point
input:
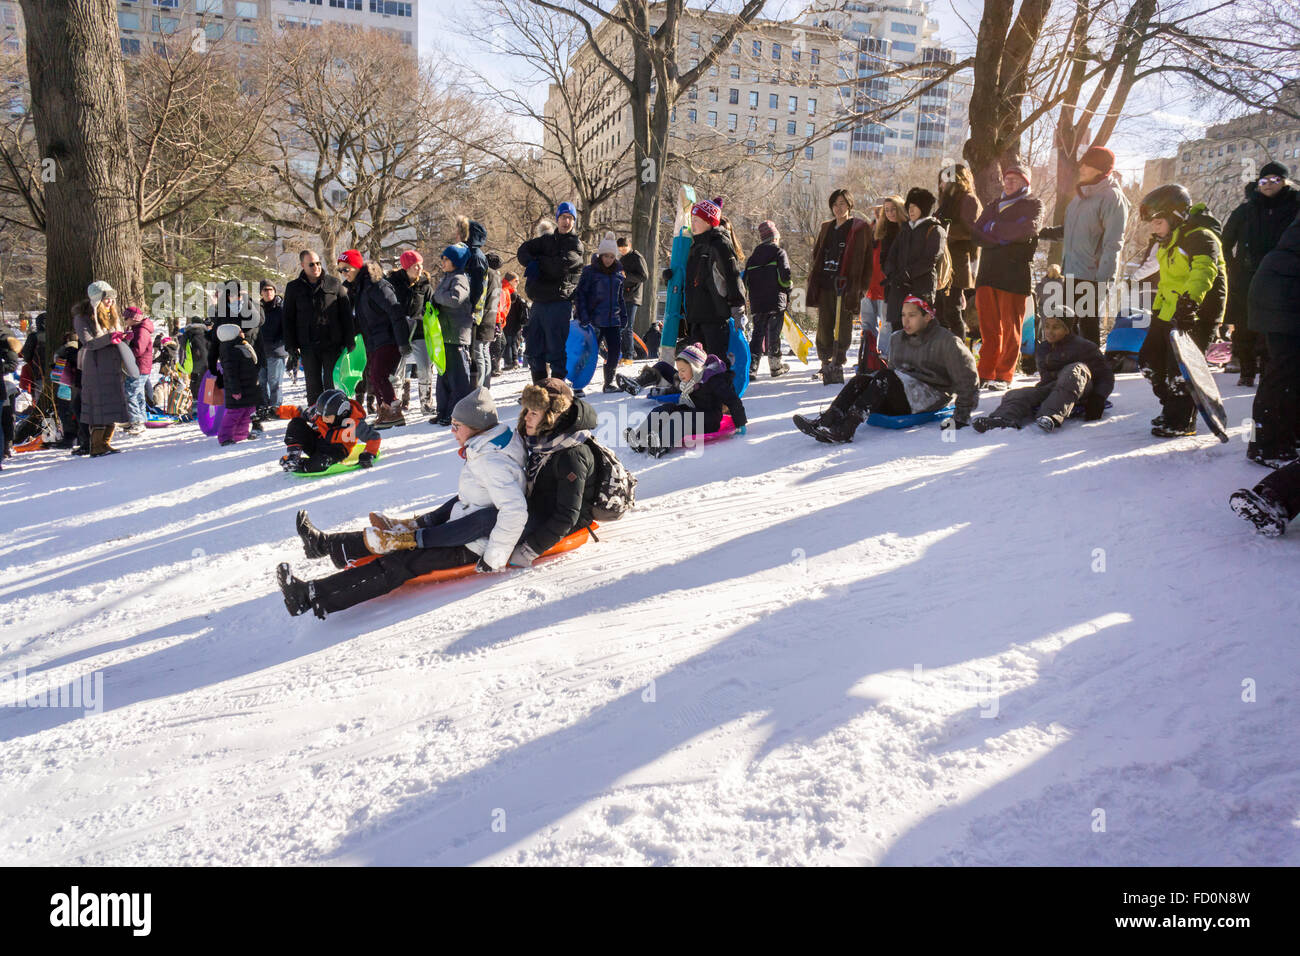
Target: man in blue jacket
[(552, 267)]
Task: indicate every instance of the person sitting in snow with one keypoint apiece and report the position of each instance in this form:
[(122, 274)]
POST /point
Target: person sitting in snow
[(324, 434), (1071, 369), (708, 391), (929, 369), (519, 493), (1273, 503)]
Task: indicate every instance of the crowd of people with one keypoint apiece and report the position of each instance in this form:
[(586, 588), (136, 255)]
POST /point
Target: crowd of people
[(937, 283)]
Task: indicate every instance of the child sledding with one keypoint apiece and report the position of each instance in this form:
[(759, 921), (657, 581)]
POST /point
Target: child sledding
[(1071, 371), (520, 494), (706, 393), (323, 435), (929, 369)]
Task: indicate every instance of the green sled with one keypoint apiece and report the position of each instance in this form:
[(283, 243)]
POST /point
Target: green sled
[(347, 464), (433, 338), (350, 367)]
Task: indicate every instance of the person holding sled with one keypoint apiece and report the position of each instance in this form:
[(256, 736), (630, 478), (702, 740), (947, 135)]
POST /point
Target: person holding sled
[(767, 280), (325, 433), (599, 303), (929, 369), (839, 275), (1190, 297), (1071, 369), (708, 391)]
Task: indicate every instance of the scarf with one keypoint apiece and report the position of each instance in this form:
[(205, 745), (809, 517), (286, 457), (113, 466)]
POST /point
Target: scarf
[(1016, 196), (541, 448)]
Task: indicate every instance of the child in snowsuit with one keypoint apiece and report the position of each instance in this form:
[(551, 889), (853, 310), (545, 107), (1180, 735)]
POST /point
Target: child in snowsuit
[(708, 391), (239, 380), (481, 525), (325, 433), (929, 369), (767, 280), (1272, 504), (66, 387), (1071, 369), (1191, 297), (599, 304)]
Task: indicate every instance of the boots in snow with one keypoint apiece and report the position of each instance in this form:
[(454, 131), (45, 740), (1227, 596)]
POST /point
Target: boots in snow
[(832, 374), (832, 427), (1047, 423), (627, 384), (290, 459), (386, 542), (406, 395), (1246, 381), (610, 387), (1173, 431), (982, 425), (315, 543), (390, 416), (753, 365), (779, 369), (297, 594), (1259, 508)]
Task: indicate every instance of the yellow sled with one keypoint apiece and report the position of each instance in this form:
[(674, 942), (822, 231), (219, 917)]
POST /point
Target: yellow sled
[(795, 338)]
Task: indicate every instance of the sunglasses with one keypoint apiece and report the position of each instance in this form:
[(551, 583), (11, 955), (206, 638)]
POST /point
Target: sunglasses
[(1271, 180), (314, 265)]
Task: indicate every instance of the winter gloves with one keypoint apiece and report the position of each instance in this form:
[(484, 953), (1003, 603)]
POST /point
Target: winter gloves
[(1185, 313)]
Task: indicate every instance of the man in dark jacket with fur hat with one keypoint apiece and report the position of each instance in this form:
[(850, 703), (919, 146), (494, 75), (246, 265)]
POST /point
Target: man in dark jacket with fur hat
[(1251, 232)]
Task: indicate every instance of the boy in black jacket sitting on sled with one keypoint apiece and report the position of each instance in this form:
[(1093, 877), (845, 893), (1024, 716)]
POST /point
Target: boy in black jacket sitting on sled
[(1071, 369), (708, 391)]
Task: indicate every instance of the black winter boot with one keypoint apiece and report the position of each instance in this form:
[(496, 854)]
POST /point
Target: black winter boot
[(982, 425), (297, 594), (1258, 507), (315, 543)]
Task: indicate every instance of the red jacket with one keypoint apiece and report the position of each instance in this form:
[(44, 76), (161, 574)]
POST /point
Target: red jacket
[(347, 433), (503, 306)]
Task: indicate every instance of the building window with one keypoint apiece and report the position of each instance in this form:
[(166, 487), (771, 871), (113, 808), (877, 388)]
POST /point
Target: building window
[(812, 106), (794, 104), (209, 6), (776, 51), (791, 128), (733, 97), (757, 49), (341, 4), (839, 146), (695, 41), (771, 125), (735, 47), (165, 24), (391, 8), (713, 94), (246, 34), (816, 55), (908, 28), (693, 93), (753, 99), (795, 53), (214, 31), (732, 120), (808, 130), (772, 101), (130, 47), (692, 115), (712, 118), (249, 10), (904, 47), (128, 21), (734, 72)]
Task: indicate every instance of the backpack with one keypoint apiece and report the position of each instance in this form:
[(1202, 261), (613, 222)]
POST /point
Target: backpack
[(943, 269), (616, 486)]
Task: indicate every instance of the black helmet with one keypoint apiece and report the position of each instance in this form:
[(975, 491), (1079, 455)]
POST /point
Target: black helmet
[(333, 402), (1167, 202)]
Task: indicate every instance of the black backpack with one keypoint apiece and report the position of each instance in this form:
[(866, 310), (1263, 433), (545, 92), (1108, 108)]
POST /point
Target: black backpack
[(616, 486)]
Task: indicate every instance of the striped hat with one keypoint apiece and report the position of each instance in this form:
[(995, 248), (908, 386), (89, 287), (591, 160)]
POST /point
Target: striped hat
[(694, 356), (710, 212)]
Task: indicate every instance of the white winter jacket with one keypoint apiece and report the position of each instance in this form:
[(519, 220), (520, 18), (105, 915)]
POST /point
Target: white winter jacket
[(493, 476)]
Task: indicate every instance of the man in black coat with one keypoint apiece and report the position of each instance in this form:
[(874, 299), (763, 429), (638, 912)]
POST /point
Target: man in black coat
[(634, 277), (552, 267), (318, 323), (1251, 232), (1274, 309), (272, 356)]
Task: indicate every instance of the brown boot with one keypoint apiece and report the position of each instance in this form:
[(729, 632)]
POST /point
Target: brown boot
[(386, 542), (406, 395), (97, 443), (385, 523)]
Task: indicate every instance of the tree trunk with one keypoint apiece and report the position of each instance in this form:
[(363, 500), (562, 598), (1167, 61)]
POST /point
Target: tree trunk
[(651, 161), (80, 117)]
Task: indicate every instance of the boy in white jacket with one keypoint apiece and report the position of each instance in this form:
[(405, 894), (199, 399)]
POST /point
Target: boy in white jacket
[(481, 525)]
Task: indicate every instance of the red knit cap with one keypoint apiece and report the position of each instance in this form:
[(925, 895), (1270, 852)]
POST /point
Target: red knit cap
[(710, 212), (1099, 158), (410, 257), (351, 258)]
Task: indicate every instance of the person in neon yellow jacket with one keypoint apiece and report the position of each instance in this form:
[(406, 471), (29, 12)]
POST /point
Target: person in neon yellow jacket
[(1190, 297)]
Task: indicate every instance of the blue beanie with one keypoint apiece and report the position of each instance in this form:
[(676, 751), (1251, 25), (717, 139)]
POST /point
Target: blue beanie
[(458, 254), (566, 207)]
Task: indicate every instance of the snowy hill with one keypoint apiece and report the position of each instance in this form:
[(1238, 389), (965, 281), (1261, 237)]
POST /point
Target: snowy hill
[(899, 651)]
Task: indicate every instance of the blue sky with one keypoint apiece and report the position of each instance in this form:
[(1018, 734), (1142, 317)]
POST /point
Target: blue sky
[(1161, 118)]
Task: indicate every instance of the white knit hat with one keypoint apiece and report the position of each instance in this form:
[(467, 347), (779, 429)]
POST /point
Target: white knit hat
[(608, 246), (96, 291), (228, 332)]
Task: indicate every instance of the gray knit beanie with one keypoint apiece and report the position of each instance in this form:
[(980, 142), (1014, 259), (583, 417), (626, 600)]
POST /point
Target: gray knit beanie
[(476, 410)]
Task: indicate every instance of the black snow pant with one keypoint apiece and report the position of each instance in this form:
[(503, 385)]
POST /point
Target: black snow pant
[(1246, 346), (766, 339), (881, 391), (612, 336), (1277, 400), (435, 531), (1283, 486), (1158, 363), (351, 587), (318, 371), (715, 337), (1055, 399), (323, 453)]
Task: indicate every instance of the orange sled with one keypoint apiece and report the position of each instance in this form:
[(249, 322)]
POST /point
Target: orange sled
[(568, 543)]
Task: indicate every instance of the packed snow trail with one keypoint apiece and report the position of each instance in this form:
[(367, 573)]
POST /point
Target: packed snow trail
[(899, 651)]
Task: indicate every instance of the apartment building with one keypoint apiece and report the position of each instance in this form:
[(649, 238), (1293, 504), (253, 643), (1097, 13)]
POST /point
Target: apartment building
[(143, 25), (882, 37), (773, 90), (1217, 167)]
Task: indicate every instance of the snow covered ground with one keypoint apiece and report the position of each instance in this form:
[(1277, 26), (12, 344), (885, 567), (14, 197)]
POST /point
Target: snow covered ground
[(1009, 649)]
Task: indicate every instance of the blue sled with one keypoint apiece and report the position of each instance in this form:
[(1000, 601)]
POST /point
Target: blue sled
[(907, 421)]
